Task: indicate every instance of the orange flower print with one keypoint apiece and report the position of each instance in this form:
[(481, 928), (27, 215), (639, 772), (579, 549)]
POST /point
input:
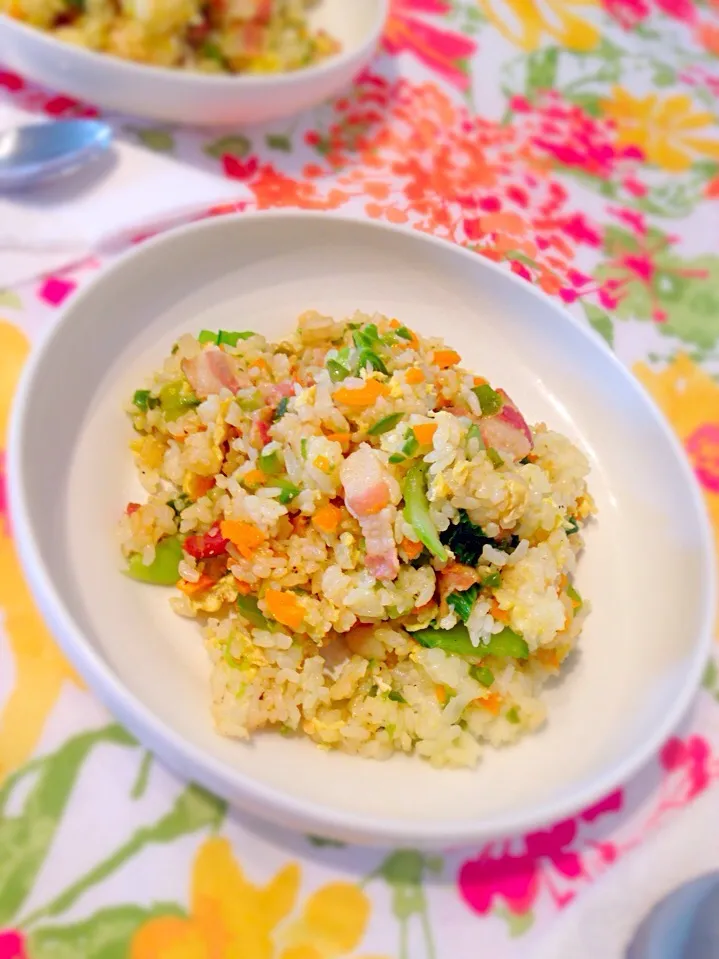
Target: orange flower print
[(40, 669), (689, 398), (232, 918), (443, 51)]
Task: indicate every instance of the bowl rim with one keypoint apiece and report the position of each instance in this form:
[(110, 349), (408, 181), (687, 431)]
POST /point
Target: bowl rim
[(146, 71), (268, 802)]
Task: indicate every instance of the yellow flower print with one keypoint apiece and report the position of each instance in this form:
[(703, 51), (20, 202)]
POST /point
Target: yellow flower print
[(689, 398), (231, 918), (662, 129), (525, 22), (39, 667)]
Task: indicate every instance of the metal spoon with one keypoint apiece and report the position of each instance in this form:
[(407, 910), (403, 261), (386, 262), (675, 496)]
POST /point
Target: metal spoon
[(683, 925), (43, 151)]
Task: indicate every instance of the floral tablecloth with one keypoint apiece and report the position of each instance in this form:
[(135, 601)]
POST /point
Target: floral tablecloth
[(575, 141)]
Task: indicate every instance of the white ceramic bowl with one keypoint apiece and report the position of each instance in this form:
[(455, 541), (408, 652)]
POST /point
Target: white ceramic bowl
[(647, 568), (193, 98)]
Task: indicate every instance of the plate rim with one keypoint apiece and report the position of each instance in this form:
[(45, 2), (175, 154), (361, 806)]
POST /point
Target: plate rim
[(240, 789)]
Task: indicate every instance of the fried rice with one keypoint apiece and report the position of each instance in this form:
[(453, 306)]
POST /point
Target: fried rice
[(210, 36), (378, 548)]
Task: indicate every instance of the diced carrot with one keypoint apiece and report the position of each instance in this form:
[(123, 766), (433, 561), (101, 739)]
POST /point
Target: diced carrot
[(196, 486), (245, 536), (254, 478), (285, 608), (497, 612), (414, 376), (322, 463), (342, 438), (410, 548), (190, 589), (243, 588), (441, 693), (424, 433), (394, 324), (132, 508), (480, 381), (563, 582), (548, 658), (445, 358), (363, 396), (260, 363), (491, 703), (327, 518)]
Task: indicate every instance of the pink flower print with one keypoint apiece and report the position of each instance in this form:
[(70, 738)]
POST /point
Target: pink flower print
[(439, 49), (515, 879), (690, 757), (55, 290), (12, 945), (703, 449)]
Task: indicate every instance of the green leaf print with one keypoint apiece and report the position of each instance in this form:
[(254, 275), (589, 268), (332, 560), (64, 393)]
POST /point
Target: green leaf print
[(322, 841), (235, 145), (10, 299), (161, 141), (106, 935), (600, 321), (194, 809), (710, 675), (652, 282), (26, 838), (404, 871), (541, 71), (278, 141), (517, 923)]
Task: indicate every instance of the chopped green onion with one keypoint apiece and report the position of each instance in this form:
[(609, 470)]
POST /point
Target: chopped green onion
[(474, 433), (368, 357), (396, 697), (232, 339), (353, 326), (512, 715), (248, 404), (269, 463), (371, 332), (506, 643), (303, 447), (416, 512), (211, 51), (343, 354), (144, 400), (385, 424), (337, 371), (289, 490), (229, 338), (397, 458), (404, 333), (361, 341), (389, 339), (492, 580), (281, 408), (494, 458), (411, 443), (463, 602), (574, 596), (483, 675), (179, 503), (490, 401), (572, 526), (176, 398), (248, 608), (164, 569)]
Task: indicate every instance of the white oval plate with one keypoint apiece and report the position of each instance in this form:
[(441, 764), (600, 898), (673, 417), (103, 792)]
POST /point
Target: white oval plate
[(647, 568), (202, 99)]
